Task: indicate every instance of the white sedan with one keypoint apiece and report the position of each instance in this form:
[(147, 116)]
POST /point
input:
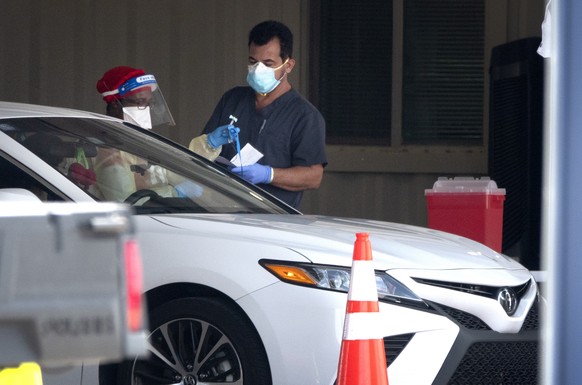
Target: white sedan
[(222, 309)]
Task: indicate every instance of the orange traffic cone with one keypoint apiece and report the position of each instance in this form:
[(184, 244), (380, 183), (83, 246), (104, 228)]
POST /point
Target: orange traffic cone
[(362, 360)]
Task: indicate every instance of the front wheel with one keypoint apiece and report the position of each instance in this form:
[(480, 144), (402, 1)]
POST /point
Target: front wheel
[(199, 341)]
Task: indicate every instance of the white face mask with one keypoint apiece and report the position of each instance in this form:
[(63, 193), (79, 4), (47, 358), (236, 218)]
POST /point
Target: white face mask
[(262, 78), (139, 116)]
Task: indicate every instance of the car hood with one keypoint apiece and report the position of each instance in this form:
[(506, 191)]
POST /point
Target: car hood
[(330, 240)]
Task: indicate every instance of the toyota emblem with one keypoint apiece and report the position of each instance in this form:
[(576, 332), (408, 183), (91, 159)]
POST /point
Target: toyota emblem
[(508, 300)]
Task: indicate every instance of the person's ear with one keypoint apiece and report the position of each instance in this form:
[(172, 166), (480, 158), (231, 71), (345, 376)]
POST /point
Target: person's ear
[(289, 66)]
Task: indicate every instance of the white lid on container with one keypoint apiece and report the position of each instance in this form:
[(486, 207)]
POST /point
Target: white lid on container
[(464, 184)]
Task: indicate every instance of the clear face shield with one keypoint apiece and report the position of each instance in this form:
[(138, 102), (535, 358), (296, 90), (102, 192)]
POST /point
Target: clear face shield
[(143, 103)]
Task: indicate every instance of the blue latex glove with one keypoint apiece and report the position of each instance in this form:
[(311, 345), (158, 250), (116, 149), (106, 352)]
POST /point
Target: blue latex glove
[(254, 173), (189, 189), (221, 135)]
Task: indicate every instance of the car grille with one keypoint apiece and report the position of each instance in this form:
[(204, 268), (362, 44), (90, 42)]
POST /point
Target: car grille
[(482, 290), (471, 322), (481, 355), (498, 363), (465, 319), (531, 320), (394, 345)]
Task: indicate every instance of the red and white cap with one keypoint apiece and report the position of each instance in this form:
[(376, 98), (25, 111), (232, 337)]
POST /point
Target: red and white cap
[(108, 86)]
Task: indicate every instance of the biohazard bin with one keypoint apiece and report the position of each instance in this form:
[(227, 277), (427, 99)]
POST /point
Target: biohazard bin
[(466, 206)]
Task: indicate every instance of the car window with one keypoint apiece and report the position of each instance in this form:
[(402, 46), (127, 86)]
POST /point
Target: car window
[(111, 161), (13, 176)]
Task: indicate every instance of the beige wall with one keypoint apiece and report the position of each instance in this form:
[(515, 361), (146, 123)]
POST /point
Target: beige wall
[(53, 52)]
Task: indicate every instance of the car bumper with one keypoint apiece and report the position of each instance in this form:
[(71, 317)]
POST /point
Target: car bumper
[(303, 340)]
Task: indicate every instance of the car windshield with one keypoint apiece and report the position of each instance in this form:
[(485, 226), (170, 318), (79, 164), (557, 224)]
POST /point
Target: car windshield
[(112, 161)]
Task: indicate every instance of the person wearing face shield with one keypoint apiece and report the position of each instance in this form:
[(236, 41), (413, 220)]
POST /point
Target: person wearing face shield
[(135, 96), (274, 118)]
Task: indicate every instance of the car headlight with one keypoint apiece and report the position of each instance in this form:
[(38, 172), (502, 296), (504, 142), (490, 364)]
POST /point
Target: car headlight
[(337, 278)]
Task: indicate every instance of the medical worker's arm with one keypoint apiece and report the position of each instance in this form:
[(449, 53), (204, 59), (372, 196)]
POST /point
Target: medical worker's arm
[(210, 145), (298, 178)]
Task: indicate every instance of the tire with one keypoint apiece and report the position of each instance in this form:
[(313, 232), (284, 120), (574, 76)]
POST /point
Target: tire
[(202, 341)]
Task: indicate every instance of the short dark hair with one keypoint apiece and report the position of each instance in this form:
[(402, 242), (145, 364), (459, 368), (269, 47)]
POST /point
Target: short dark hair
[(265, 31)]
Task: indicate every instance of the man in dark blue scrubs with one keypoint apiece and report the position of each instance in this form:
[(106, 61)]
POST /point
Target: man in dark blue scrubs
[(275, 119)]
